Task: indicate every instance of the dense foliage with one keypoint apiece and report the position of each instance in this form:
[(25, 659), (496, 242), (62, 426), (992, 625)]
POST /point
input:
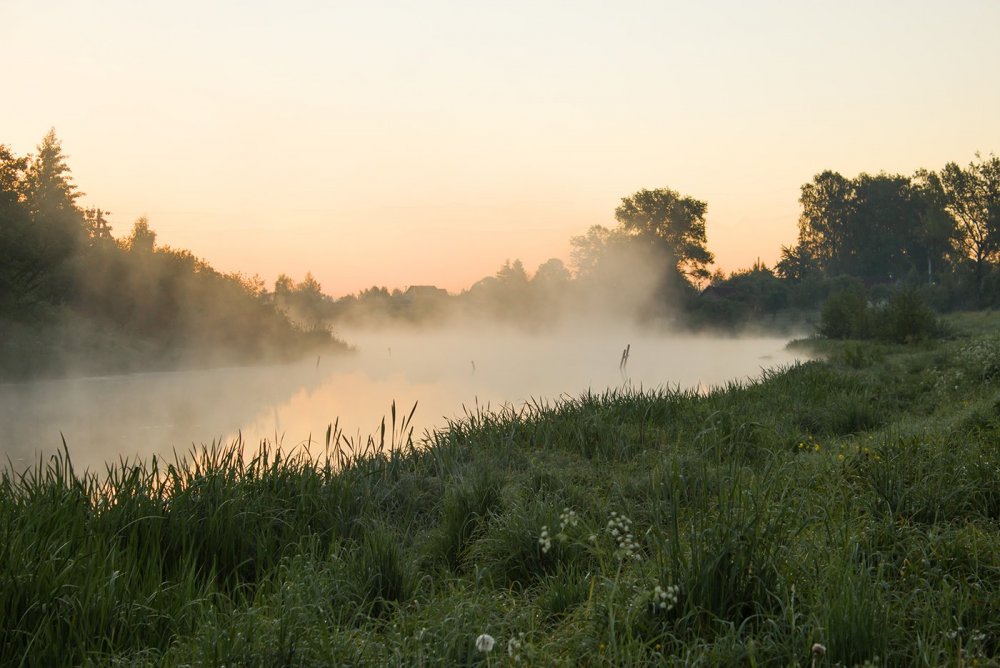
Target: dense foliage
[(73, 298)]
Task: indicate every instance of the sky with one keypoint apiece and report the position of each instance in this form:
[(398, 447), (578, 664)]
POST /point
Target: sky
[(412, 143)]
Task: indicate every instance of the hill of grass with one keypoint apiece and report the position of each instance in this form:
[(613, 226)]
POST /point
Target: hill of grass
[(839, 512)]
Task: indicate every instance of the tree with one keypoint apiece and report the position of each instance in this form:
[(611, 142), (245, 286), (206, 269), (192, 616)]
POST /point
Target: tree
[(20, 270), (972, 197), (589, 251), (823, 221), (142, 239), (796, 263), (49, 196), (50, 190), (871, 227), (512, 275), (96, 225), (676, 223), (551, 274), (884, 225), (12, 170), (283, 286)]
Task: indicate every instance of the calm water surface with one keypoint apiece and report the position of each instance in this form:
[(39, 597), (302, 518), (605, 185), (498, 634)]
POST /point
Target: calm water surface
[(444, 373)]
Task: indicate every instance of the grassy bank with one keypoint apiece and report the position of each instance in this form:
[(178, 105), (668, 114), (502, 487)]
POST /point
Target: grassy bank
[(852, 502)]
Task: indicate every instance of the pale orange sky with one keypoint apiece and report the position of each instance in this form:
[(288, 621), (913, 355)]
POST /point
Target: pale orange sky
[(402, 143)]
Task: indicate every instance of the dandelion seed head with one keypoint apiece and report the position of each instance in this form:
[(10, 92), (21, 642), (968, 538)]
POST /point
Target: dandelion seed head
[(484, 643)]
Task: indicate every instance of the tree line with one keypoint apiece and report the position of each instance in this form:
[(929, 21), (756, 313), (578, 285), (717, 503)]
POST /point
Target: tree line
[(74, 298), (70, 292), (936, 233)]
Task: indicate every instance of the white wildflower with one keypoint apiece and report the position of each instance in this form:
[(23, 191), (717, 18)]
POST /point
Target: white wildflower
[(665, 598), (485, 642), (514, 646), (620, 528), (545, 540)]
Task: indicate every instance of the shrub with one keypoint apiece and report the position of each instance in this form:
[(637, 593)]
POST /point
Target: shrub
[(908, 318), (845, 313)]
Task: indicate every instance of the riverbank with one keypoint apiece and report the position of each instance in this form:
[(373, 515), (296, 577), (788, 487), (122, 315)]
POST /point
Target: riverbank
[(851, 503), (65, 344)]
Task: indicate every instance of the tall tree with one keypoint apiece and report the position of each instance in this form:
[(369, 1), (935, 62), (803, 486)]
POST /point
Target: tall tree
[(972, 197), (19, 268), (589, 251), (512, 275), (823, 221), (50, 197), (552, 273), (50, 189), (675, 223), (12, 169), (142, 239), (884, 225), (870, 227), (938, 232), (796, 263)]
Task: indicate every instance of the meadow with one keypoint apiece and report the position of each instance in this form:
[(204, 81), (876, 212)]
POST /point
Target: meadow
[(842, 511)]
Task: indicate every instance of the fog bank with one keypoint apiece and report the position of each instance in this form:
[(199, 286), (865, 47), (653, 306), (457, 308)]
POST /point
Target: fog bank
[(444, 372)]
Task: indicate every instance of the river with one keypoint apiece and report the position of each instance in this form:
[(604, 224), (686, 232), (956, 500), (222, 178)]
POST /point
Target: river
[(443, 372)]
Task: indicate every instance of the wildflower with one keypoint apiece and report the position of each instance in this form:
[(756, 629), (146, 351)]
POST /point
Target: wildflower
[(545, 540), (818, 649), (514, 647), (620, 528), (485, 642), (665, 599), (567, 518)]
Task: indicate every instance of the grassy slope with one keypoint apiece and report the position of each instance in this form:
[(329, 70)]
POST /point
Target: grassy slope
[(853, 503)]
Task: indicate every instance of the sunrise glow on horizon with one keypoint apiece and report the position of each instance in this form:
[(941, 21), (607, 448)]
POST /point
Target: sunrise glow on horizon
[(404, 143)]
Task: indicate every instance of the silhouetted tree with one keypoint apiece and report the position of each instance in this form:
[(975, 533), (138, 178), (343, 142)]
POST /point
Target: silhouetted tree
[(938, 231), (823, 222), (590, 250), (283, 286), (552, 273), (20, 271), (796, 263), (512, 275), (96, 225), (49, 197), (972, 197), (142, 238), (50, 190), (678, 223), (872, 227), (12, 170)]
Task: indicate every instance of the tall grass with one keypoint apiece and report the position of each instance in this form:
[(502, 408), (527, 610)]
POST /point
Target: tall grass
[(851, 502)]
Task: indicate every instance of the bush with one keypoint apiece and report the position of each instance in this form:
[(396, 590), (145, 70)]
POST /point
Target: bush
[(845, 313), (908, 318), (901, 316)]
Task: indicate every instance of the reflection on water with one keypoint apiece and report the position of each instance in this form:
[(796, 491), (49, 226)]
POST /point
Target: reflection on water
[(104, 419)]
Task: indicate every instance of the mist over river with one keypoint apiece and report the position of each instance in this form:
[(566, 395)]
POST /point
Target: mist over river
[(444, 372)]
